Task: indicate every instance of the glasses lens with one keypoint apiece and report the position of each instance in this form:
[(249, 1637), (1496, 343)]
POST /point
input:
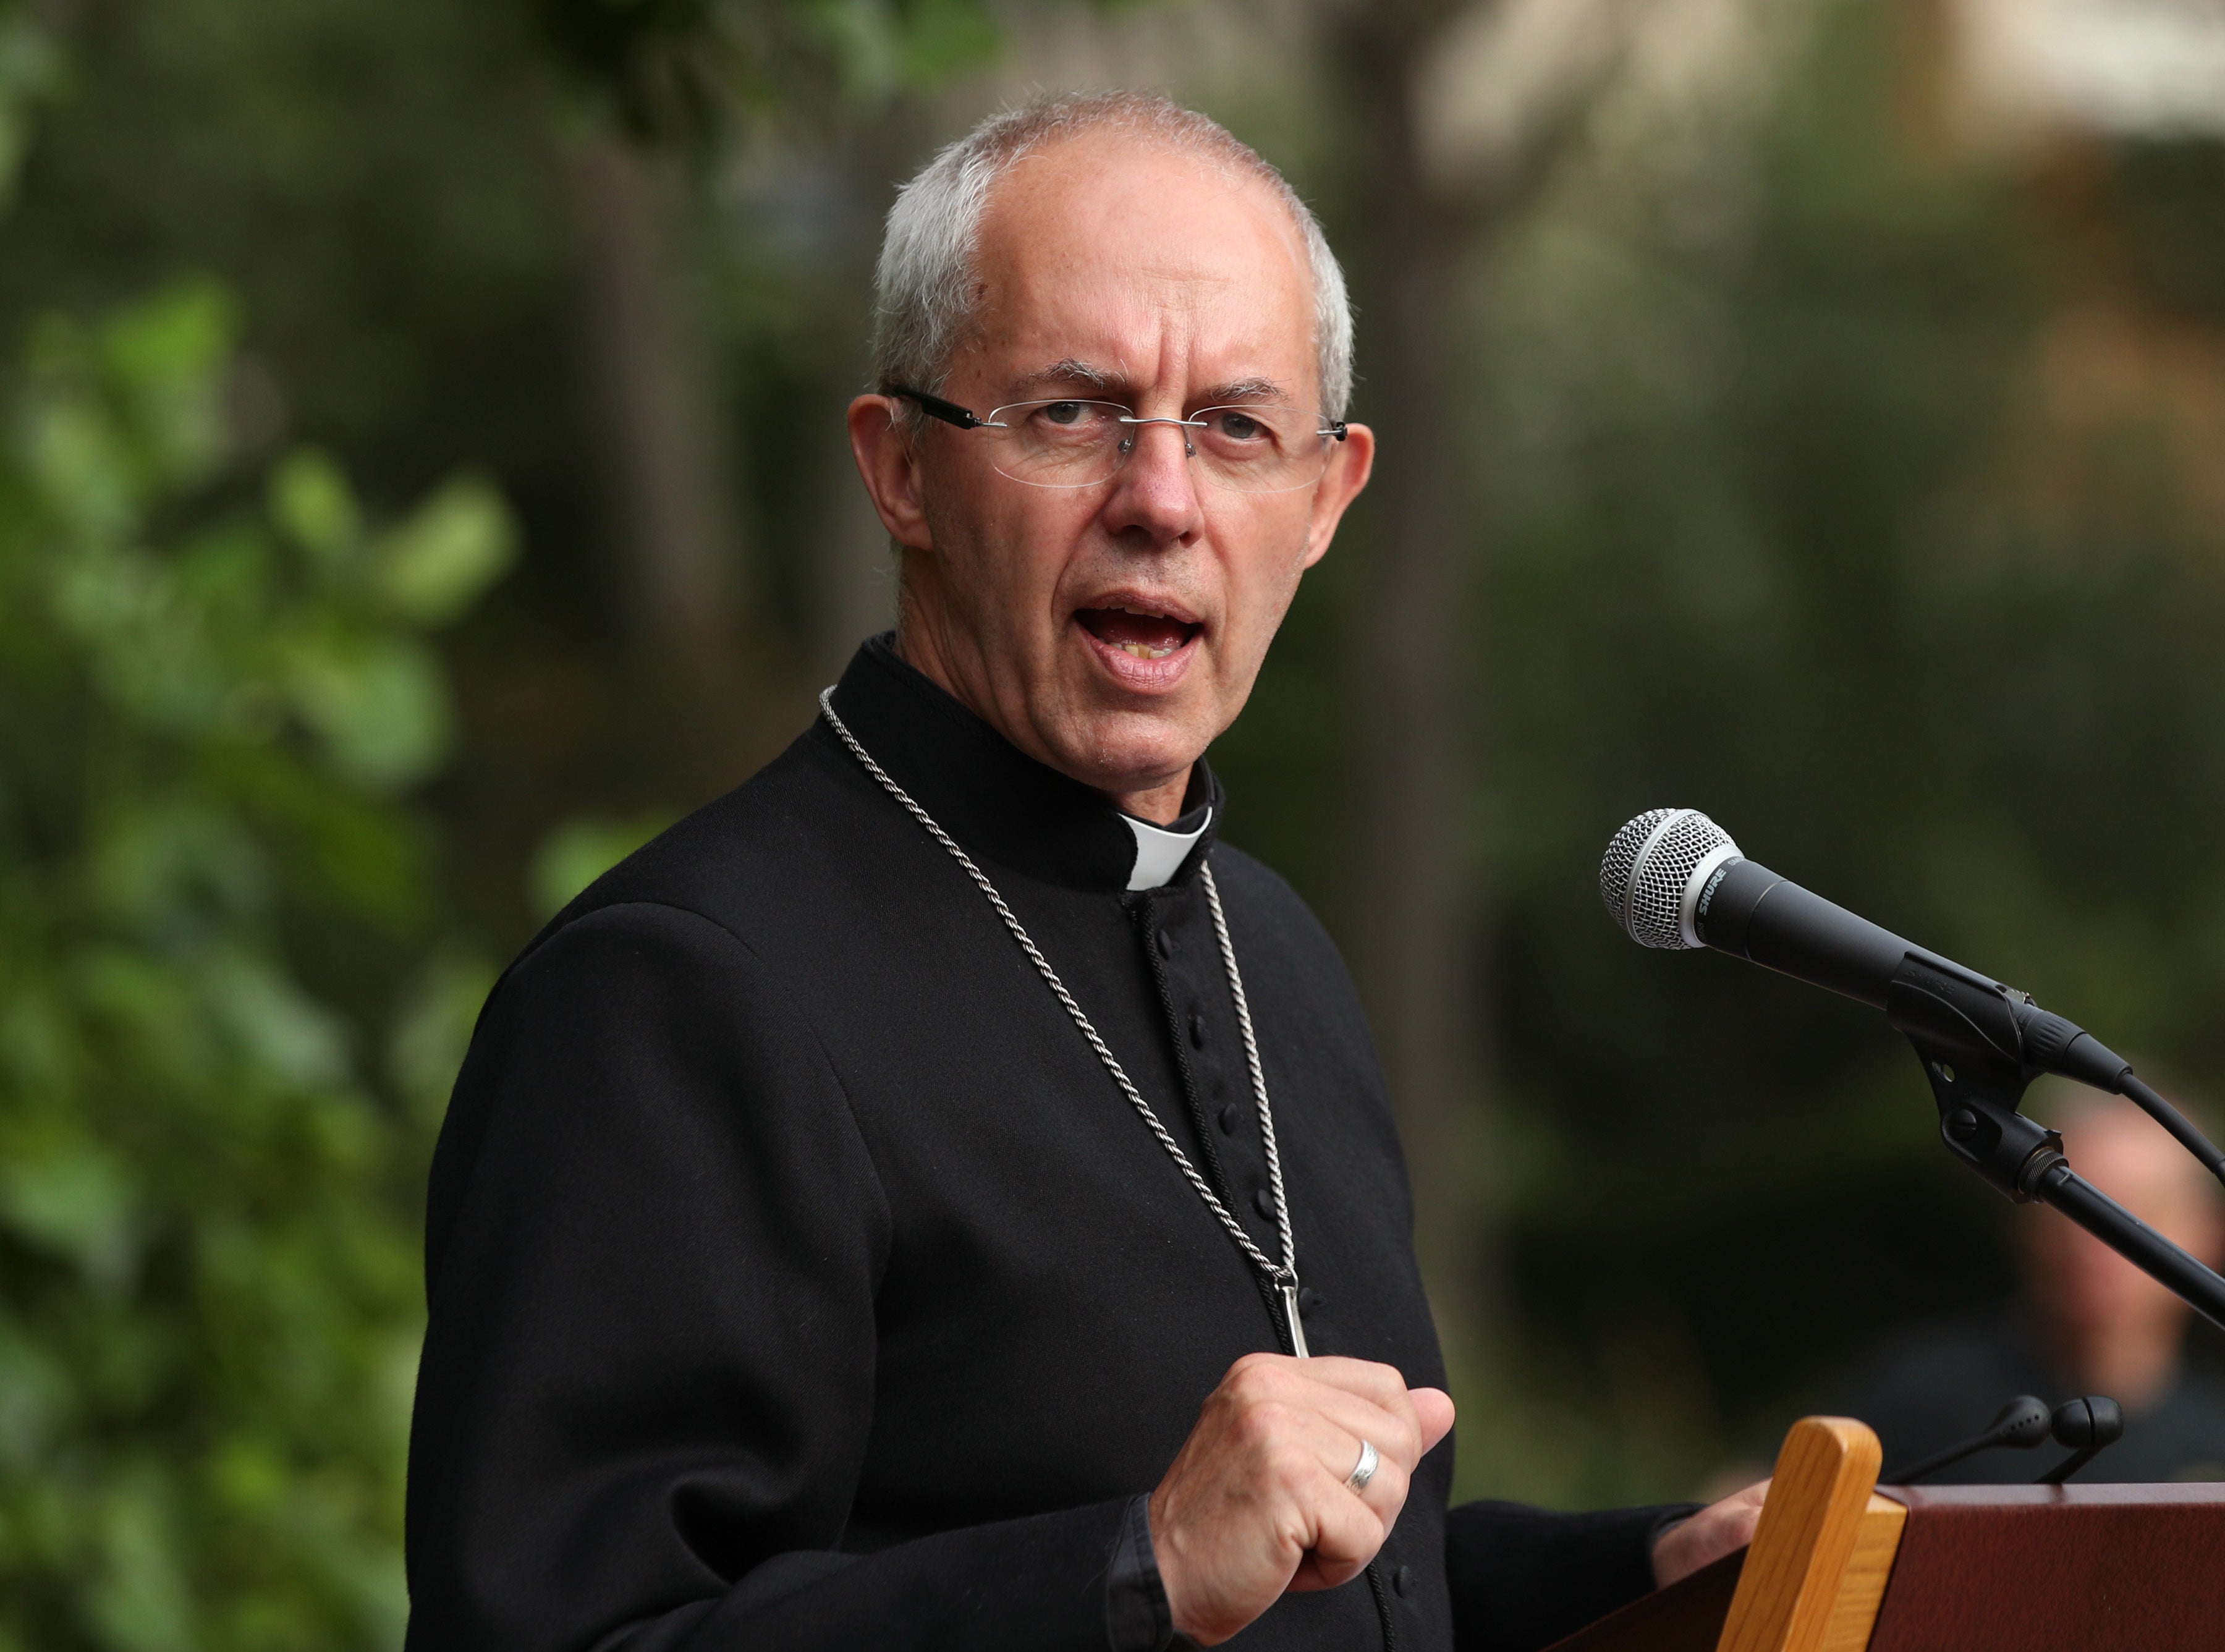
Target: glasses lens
[(1060, 444), (1255, 448), (1261, 447)]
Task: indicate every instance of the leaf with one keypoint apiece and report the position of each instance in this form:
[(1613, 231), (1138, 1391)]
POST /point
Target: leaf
[(165, 357), (80, 469), (30, 70), (434, 566), (35, 1398), (312, 504), (381, 708), (283, 1031), (434, 1028), (141, 1600), (581, 850), (74, 1202)]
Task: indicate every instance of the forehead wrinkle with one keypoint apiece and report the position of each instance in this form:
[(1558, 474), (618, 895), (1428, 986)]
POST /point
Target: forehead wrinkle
[(1069, 212)]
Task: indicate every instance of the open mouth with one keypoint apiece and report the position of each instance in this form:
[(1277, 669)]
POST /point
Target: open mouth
[(1139, 633)]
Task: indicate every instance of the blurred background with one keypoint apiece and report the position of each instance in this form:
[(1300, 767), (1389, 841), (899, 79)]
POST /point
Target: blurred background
[(422, 477)]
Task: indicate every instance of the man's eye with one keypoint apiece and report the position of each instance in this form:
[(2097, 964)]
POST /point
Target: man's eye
[(1066, 413), (1229, 425)]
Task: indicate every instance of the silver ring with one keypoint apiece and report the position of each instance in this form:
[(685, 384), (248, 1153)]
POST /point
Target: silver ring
[(1364, 1469)]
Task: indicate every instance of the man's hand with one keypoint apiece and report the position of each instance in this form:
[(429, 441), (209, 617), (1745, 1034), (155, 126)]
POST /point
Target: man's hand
[(1256, 1502), (1715, 1531)]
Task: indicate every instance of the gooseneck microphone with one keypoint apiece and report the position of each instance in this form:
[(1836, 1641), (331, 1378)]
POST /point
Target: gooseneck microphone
[(1672, 878), (2022, 1423), (2088, 1425)]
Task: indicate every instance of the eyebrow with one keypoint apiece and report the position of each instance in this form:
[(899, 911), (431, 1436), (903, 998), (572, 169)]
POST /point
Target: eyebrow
[(1068, 372), (1100, 382), (1243, 390)]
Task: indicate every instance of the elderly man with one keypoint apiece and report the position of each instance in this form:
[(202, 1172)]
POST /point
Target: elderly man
[(939, 1195)]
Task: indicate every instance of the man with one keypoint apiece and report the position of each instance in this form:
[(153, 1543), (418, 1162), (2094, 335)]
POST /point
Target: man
[(2090, 1323), (890, 1210)]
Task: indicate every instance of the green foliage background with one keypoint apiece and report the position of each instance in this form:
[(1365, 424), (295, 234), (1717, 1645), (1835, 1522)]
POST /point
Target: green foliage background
[(228, 1004), (233, 986), (227, 1010), (315, 697)]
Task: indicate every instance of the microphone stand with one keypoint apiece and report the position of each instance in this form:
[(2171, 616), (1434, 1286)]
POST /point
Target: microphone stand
[(1968, 1033), (1978, 1091)]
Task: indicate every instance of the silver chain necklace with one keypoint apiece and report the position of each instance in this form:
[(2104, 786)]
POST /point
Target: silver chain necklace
[(1282, 1276)]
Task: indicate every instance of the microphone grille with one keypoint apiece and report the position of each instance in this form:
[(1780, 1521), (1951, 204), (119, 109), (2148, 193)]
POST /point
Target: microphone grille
[(1647, 872)]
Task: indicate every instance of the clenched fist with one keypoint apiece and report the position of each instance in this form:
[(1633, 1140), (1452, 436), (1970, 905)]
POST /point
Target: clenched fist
[(1256, 1503)]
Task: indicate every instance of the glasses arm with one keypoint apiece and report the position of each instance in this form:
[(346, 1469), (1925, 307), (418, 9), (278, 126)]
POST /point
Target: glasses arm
[(935, 407)]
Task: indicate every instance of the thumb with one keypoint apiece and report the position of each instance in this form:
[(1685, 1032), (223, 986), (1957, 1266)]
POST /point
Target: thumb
[(1433, 1409)]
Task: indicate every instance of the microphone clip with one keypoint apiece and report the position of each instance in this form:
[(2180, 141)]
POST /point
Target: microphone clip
[(1980, 1124)]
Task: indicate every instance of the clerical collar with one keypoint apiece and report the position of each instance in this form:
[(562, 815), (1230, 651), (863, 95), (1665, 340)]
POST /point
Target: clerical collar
[(1160, 850), (1001, 803)]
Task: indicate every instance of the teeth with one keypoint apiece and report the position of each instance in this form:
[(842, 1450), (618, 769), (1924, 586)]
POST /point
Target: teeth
[(1145, 650)]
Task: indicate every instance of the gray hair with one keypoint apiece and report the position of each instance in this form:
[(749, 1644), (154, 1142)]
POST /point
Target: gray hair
[(925, 285)]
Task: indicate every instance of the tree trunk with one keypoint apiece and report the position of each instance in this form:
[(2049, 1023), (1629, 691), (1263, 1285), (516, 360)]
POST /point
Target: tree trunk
[(680, 551), (1418, 910)]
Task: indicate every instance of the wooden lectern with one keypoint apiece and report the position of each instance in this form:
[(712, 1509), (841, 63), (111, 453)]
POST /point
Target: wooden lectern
[(1838, 1565)]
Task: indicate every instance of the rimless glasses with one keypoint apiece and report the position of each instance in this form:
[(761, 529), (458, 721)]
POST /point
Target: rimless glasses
[(1256, 447)]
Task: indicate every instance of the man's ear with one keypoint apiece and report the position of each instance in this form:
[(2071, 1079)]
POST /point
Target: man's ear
[(882, 445), (1349, 467)]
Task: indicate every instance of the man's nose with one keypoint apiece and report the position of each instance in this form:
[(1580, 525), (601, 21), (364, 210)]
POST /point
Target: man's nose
[(1155, 491)]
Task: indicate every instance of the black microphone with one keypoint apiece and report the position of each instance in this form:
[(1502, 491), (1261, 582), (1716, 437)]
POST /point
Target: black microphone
[(2089, 1426), (1673, 878), (2023, 1423)]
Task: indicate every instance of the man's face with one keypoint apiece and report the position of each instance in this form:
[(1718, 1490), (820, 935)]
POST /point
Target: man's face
[(2088, 1289), (1113, 630)]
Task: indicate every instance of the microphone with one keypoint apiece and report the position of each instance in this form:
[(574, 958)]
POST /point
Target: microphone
[(1672, 878), (2023, 1423), (2089, 1426)]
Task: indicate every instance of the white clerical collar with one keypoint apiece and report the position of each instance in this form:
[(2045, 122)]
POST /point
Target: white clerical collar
[(1159, 852)]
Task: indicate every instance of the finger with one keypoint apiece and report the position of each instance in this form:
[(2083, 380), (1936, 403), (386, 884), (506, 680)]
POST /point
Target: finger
[(1347, 1533), (1368, 1378), (1361, 1402), (1433, 1409), (1396, 1433), (1430, 1411), (1336, 1452), (1387, 1487)]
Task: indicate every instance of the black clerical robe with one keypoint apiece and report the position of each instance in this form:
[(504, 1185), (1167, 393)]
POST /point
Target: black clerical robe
[(800, 1279)]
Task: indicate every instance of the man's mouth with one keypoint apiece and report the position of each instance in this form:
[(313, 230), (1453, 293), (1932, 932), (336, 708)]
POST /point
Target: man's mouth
[(1141, 633)]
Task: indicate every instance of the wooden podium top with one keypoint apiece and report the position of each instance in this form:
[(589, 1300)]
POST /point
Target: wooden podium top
[(1837, 1565), (2071, 1567)]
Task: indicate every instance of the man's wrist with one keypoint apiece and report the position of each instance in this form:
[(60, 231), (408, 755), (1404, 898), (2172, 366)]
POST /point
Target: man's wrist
[(1138, 1618)]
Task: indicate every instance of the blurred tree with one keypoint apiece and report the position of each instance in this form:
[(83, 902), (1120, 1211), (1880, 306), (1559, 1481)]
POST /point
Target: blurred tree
[(1422, 215), (1822, 503), (228, 1011), (480, 233), (665, 92)]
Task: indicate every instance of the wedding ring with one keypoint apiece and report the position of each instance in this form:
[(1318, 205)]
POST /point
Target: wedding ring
[(1364, 1469)]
